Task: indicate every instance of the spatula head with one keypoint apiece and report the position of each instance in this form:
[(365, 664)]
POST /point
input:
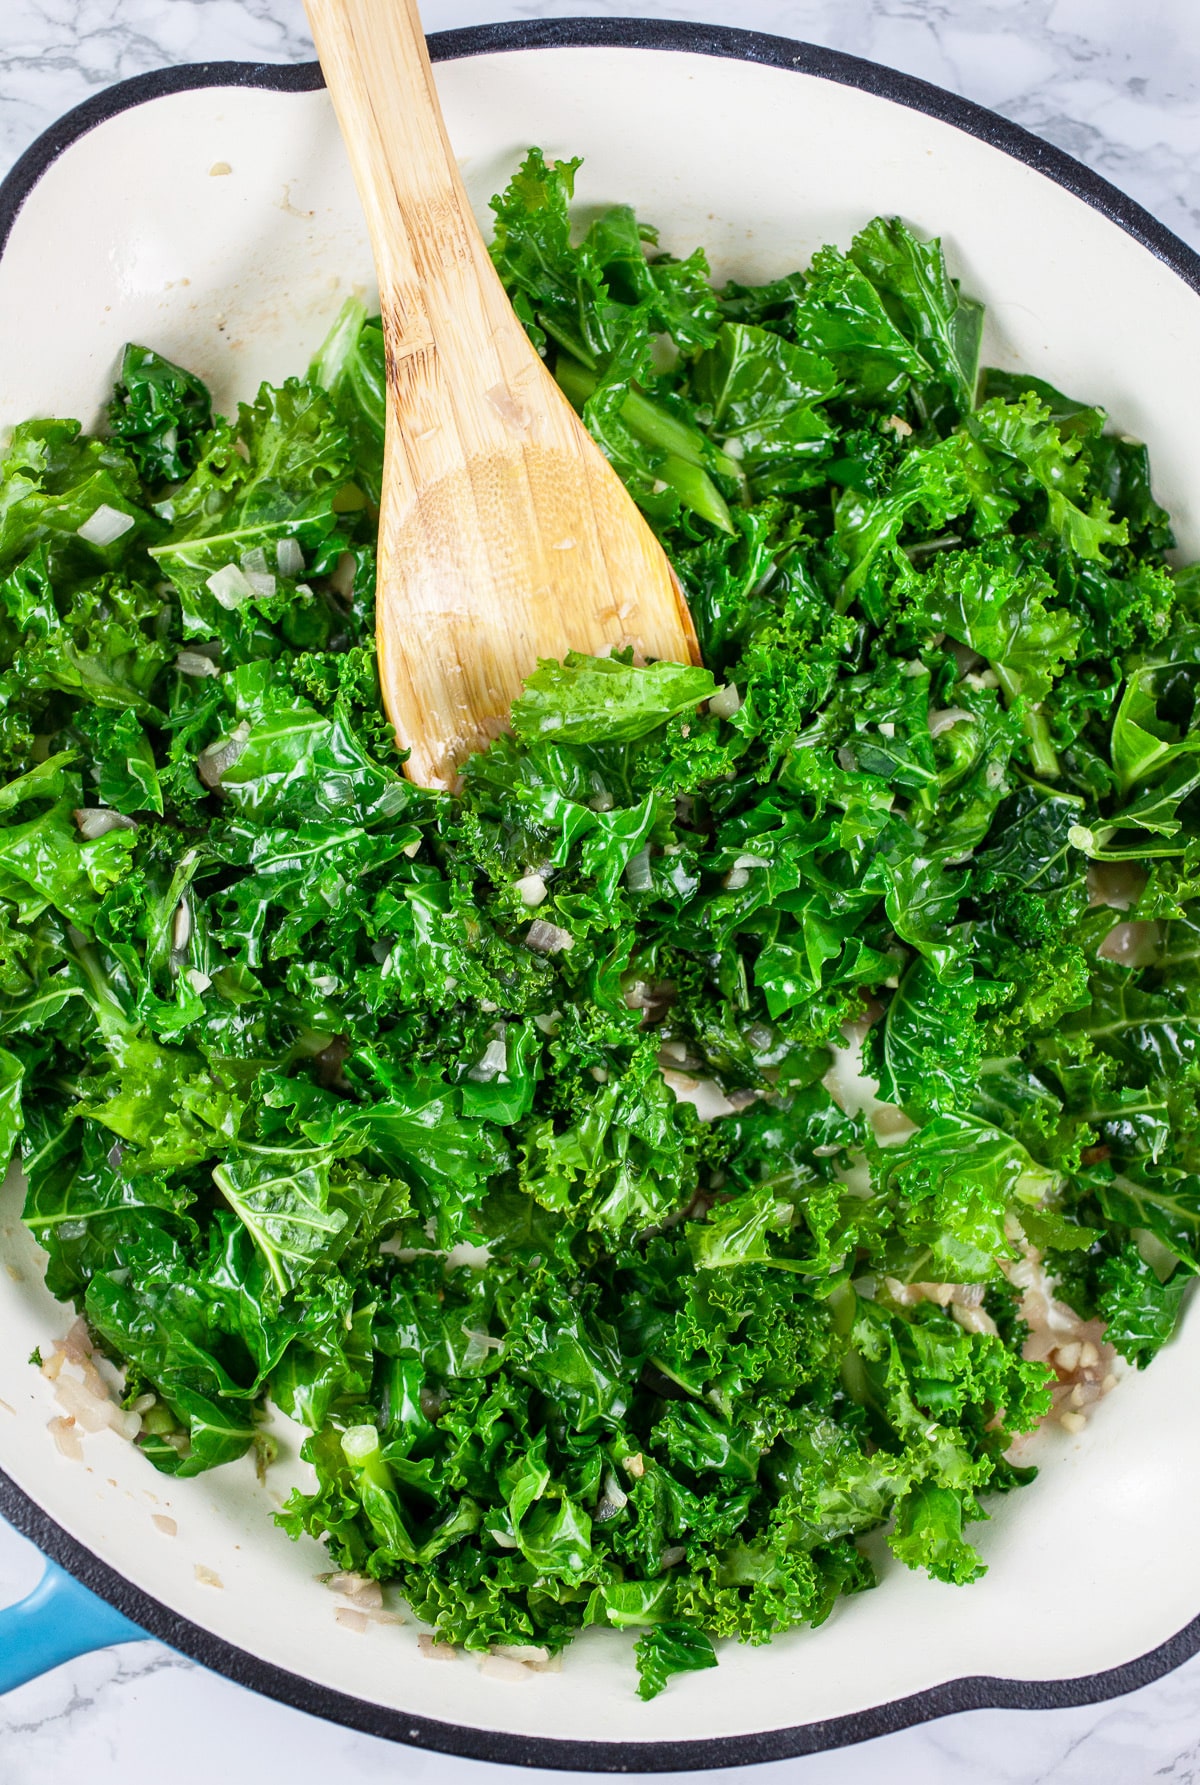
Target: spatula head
[(530, 548), (504, 535)]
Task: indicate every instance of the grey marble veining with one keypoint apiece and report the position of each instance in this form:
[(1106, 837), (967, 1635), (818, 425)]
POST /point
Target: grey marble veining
[(138, 1714), (1114, 82)]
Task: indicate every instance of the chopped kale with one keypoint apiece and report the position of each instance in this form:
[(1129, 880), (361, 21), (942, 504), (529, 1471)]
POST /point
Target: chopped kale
[(288, 1040)]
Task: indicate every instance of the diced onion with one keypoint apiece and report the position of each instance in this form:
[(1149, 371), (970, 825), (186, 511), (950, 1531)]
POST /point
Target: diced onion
[(531, 1654), (531, 889), (725, 702), (97, 821), (195, 663), (1119, 884), (181, 927), (704, 1094), (638, 877), (548, 938), (491, 1062), (366, 1594), (231, 586), (212, 763), (258, 572), (613, 1500), (973, 1320), (66, 1437), (104, 525), (504, 1669), (289, 559), (125, 1423), (1131, 944), (946, 717), (909, 1294), (739, 873), (341, 580), (88, 1411), (965, 1302)]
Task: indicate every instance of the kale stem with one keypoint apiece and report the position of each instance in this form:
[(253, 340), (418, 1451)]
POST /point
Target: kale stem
[(361, 1449), (1041, 751), (687, 450), (653, 425), (696, 489)]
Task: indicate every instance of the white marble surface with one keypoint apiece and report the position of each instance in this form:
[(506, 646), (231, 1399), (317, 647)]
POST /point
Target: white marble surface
[(1117, 83)]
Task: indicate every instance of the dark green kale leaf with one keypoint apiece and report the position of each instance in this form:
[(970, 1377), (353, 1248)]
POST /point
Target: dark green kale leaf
[(271, 478), (159, 412), (924, 303), (589, 700), (666, 1649)]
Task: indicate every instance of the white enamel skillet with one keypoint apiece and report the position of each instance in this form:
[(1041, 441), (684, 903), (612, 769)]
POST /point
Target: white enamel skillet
[(208, 211)]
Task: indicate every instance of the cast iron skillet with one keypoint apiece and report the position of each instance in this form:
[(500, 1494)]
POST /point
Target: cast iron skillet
[(147, 1613)]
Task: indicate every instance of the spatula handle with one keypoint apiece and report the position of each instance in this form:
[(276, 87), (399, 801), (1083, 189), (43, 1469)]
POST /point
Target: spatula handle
[(450, 331), (380, 80)]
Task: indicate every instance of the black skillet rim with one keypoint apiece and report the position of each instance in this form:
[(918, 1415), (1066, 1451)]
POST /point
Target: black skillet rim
[(976, 1693)]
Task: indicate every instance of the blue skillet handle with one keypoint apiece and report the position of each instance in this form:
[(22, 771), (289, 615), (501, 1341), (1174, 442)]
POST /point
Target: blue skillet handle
[(57, 1621)]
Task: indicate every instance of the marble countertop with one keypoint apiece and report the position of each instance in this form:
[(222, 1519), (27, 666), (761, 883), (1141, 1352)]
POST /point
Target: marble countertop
[(1115, 84)]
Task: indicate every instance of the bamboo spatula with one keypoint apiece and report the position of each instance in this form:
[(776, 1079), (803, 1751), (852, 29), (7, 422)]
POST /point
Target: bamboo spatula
[(504, 534)]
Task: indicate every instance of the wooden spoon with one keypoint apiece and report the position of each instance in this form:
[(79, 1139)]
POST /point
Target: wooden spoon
[(504, 534)]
